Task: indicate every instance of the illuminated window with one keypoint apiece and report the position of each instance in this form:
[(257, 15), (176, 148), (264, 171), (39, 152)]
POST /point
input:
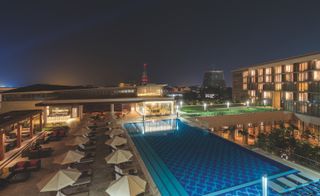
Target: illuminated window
[(252, 93), (260, 79), (267, 95), (245, 86), (289, 96), (303, 76), (289, 68), (278, 70), (245, 74), (260, 86), (303, 96), (316, 75), (317, 64), (278, 78), (252, 72), (289, 77), (260, 72), (303, 86), (268, 71), (278, 86), (244, 80), (303, 66), (268, 78)]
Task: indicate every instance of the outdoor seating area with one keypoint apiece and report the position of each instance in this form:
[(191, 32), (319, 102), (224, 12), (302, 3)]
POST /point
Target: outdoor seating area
[(72, 161)]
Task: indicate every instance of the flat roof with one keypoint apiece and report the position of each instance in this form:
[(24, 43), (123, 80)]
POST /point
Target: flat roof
[(11, 117), (288, 60), (113, 100), (44, 87)]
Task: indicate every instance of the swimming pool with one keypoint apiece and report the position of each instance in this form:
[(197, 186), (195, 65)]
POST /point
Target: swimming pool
[(186, 160)]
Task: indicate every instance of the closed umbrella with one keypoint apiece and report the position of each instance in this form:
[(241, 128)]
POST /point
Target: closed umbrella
[(127, 185), (58, 180), (68, 157), (77, 140), (118, 156), (116, 141)]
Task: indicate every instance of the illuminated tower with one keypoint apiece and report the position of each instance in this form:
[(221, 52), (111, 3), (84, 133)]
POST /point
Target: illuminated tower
[(144, 78)]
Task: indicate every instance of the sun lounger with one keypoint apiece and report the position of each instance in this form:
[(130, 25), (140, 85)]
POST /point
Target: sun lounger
[(85, 147), (287, 182), (19, 177), (86, 160), (297, 178), (312, 178), (82, 181), (276, 187)]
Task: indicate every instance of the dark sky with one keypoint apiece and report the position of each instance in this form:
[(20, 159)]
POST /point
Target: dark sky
[(106, 42)]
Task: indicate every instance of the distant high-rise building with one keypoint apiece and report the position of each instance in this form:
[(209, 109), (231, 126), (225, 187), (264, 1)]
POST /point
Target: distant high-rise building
[(213, 79), (144, 78)]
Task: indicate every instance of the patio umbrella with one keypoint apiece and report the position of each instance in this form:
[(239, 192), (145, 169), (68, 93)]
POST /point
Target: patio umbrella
[(68, 157), (127, 185), (77, 140), (116, 141), (118, 156), (115, 132), (58, 180)]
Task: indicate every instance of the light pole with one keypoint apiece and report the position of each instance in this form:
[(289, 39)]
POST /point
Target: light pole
[(264, 103), (228, 104), (177, 111), (205, 106), (248, 103), (264, 185), (181, 102)]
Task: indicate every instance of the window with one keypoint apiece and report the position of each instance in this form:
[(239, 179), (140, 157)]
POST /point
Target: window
[(303, 86), (278, 86), (245, 86), (303, 66), (252, 93), (267, 95), (260, 86), (289, 96), (252, 72), (268, 71), (317, 64), (316, 75), (303, 76), (278, 78), (289, 77), (260, 79), (260, 72), (303, 96), (278, 70), (268, 78), (289, 68), (245, 74)]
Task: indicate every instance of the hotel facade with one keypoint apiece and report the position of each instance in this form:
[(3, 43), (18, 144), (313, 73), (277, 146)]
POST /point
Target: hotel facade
[(291, 84)]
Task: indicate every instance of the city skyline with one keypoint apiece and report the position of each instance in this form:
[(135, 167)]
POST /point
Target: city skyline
[(62, 45)]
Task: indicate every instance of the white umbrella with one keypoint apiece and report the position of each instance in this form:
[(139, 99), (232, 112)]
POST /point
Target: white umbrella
[(118, 156), (58, 180), (116, 141), (127, 185), (115, 132), (77, 140), (69, 157)]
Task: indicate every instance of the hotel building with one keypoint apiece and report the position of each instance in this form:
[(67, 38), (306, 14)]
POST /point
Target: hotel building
[(291, 84)]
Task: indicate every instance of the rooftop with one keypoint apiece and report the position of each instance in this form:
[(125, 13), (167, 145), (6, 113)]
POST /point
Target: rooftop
[(16, 116), (44, 87)]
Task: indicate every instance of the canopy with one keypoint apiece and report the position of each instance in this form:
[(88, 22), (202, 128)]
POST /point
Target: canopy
[(127, 185), (58, 180), (118, 156), (68, 157), (116, 141)]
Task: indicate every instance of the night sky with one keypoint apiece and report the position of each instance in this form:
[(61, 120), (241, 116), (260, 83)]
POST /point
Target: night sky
[(107, 42)]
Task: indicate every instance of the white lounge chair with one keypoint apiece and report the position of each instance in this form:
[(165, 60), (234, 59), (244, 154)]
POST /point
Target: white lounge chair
[(297, 178), (276, 187), (287, 182)]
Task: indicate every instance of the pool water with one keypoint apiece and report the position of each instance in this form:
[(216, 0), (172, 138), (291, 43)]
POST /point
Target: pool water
[(186, 160)]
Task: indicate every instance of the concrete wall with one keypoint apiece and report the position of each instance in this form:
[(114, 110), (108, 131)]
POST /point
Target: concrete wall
[(229, 120)]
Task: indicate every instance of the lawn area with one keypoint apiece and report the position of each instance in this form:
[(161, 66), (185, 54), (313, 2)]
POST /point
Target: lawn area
[(214, 111)]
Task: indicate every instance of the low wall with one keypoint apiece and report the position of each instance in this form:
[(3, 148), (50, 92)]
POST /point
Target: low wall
[(258, 117)]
